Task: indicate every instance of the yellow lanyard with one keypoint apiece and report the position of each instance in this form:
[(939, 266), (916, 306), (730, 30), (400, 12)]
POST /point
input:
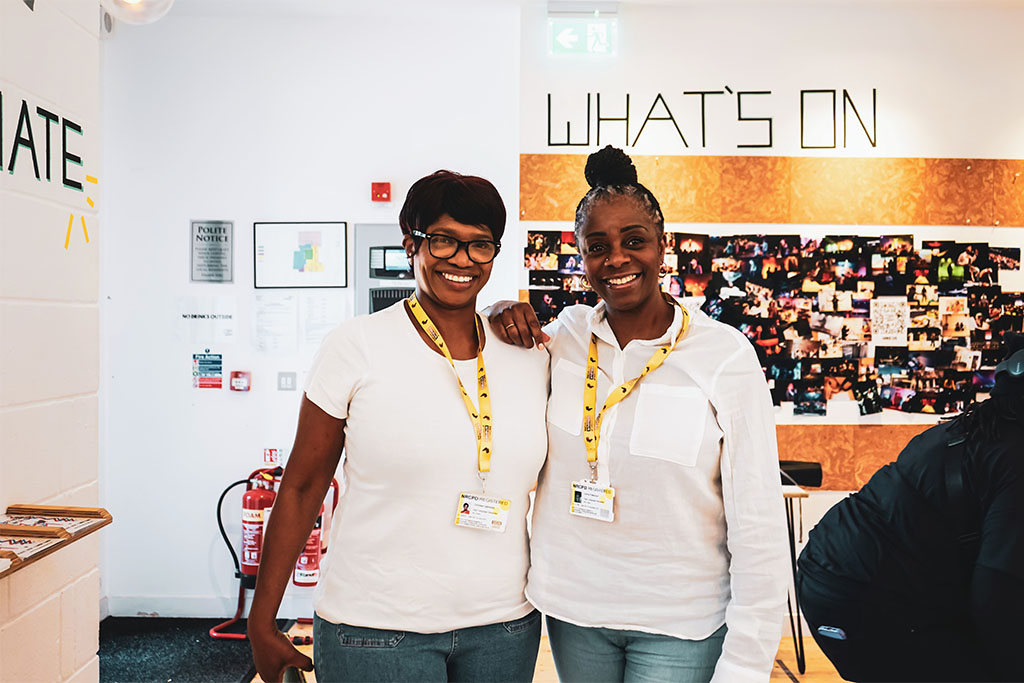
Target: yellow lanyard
[(592, 426), (482, 419)]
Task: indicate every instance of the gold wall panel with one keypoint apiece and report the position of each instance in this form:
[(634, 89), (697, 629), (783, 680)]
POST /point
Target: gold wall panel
[(857, 191), (849, 454), (755, 190), (1008, 186), (798, 190), (686, 187), (959, 192), (550, 186)]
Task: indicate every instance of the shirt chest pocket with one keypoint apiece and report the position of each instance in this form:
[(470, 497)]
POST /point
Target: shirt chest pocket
[(565, 406), (669, 423)]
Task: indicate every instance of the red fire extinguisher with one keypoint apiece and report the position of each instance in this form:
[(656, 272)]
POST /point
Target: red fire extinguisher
[(307, 567), (255, 502)]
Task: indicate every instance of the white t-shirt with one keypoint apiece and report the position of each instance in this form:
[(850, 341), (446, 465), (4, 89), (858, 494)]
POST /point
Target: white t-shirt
[(699, 536), (396, 558)]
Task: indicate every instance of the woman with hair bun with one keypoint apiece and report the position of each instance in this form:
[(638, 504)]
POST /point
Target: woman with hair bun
[(658, 548)]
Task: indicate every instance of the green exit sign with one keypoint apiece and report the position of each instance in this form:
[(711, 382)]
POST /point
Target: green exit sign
[(583, 36)]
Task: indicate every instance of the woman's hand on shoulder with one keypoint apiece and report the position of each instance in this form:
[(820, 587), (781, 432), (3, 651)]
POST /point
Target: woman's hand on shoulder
[(514, 322), (272, 653)]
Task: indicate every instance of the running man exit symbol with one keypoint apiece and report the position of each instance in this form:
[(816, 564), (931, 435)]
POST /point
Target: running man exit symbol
[(582, 36)]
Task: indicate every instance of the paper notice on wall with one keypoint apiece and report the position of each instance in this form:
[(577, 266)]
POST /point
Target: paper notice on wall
[(275, 323), (207, 370), (890, 320), (206, 320), (319, 313)]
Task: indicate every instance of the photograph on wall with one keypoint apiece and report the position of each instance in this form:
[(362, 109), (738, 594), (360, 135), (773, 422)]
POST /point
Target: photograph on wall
[(691, 252), (542, 250), (1004, 258), (290, 255), (866, 395), (849, 317), (545, 279), (810, 398), (570, 264), (567, 243), (547, 304)]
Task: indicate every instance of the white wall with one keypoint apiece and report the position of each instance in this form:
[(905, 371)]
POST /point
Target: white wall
[(943, 72), (49, 332), (247, 116)]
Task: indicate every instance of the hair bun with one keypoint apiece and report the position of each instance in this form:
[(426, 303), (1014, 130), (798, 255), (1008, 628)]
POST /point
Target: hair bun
[(609, 166)]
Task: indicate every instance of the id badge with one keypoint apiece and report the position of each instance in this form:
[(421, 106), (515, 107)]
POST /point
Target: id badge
[(477, 511), (592, 501)]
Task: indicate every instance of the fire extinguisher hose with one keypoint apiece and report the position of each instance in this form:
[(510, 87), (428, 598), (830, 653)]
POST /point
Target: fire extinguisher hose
[(220, 524), (215, 631)]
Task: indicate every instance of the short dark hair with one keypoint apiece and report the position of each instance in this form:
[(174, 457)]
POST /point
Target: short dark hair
[(467, 199)]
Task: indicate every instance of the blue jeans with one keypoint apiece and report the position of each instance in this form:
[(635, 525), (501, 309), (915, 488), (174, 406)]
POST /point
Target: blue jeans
[(606, 654), (496, 652)]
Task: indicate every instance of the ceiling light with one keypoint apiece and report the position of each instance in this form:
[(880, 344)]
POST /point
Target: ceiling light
[(137, 11)]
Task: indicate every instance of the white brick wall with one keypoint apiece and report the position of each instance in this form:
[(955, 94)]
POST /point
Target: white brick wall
[(27, 644), (49, 333)]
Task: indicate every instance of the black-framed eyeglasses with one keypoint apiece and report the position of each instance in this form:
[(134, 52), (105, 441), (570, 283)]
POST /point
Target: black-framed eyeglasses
[(446, 246)]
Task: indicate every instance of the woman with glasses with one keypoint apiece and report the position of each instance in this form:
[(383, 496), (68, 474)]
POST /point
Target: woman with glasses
[(658, 548), (443, 430)]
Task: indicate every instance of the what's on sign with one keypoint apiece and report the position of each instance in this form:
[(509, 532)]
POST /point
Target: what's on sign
[(595, 35)]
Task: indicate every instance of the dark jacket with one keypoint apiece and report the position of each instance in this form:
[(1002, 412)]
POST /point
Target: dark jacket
[(894, 543)]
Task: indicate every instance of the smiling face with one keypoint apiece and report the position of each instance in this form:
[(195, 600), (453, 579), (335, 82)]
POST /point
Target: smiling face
[(622, 249), (452, 282)]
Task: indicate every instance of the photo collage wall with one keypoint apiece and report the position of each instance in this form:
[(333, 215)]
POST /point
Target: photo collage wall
[(870, 318)]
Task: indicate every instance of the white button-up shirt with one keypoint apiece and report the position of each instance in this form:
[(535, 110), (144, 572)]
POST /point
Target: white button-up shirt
[(699, 536)]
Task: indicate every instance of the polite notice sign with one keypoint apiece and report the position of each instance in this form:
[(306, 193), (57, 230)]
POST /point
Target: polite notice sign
[(212, 251)]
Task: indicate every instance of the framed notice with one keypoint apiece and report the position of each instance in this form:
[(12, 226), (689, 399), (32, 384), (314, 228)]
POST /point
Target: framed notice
[(300, 254), (212, 251)]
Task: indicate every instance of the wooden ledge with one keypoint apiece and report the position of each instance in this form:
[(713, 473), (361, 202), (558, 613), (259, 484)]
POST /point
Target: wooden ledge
[(31, 532)]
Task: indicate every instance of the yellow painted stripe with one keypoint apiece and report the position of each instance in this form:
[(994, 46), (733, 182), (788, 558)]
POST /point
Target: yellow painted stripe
[(85, 230), (91, 202), (67, 238), (91, 179)]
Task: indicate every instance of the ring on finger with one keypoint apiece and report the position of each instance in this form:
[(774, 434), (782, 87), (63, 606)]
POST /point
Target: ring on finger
[(510, 325)]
